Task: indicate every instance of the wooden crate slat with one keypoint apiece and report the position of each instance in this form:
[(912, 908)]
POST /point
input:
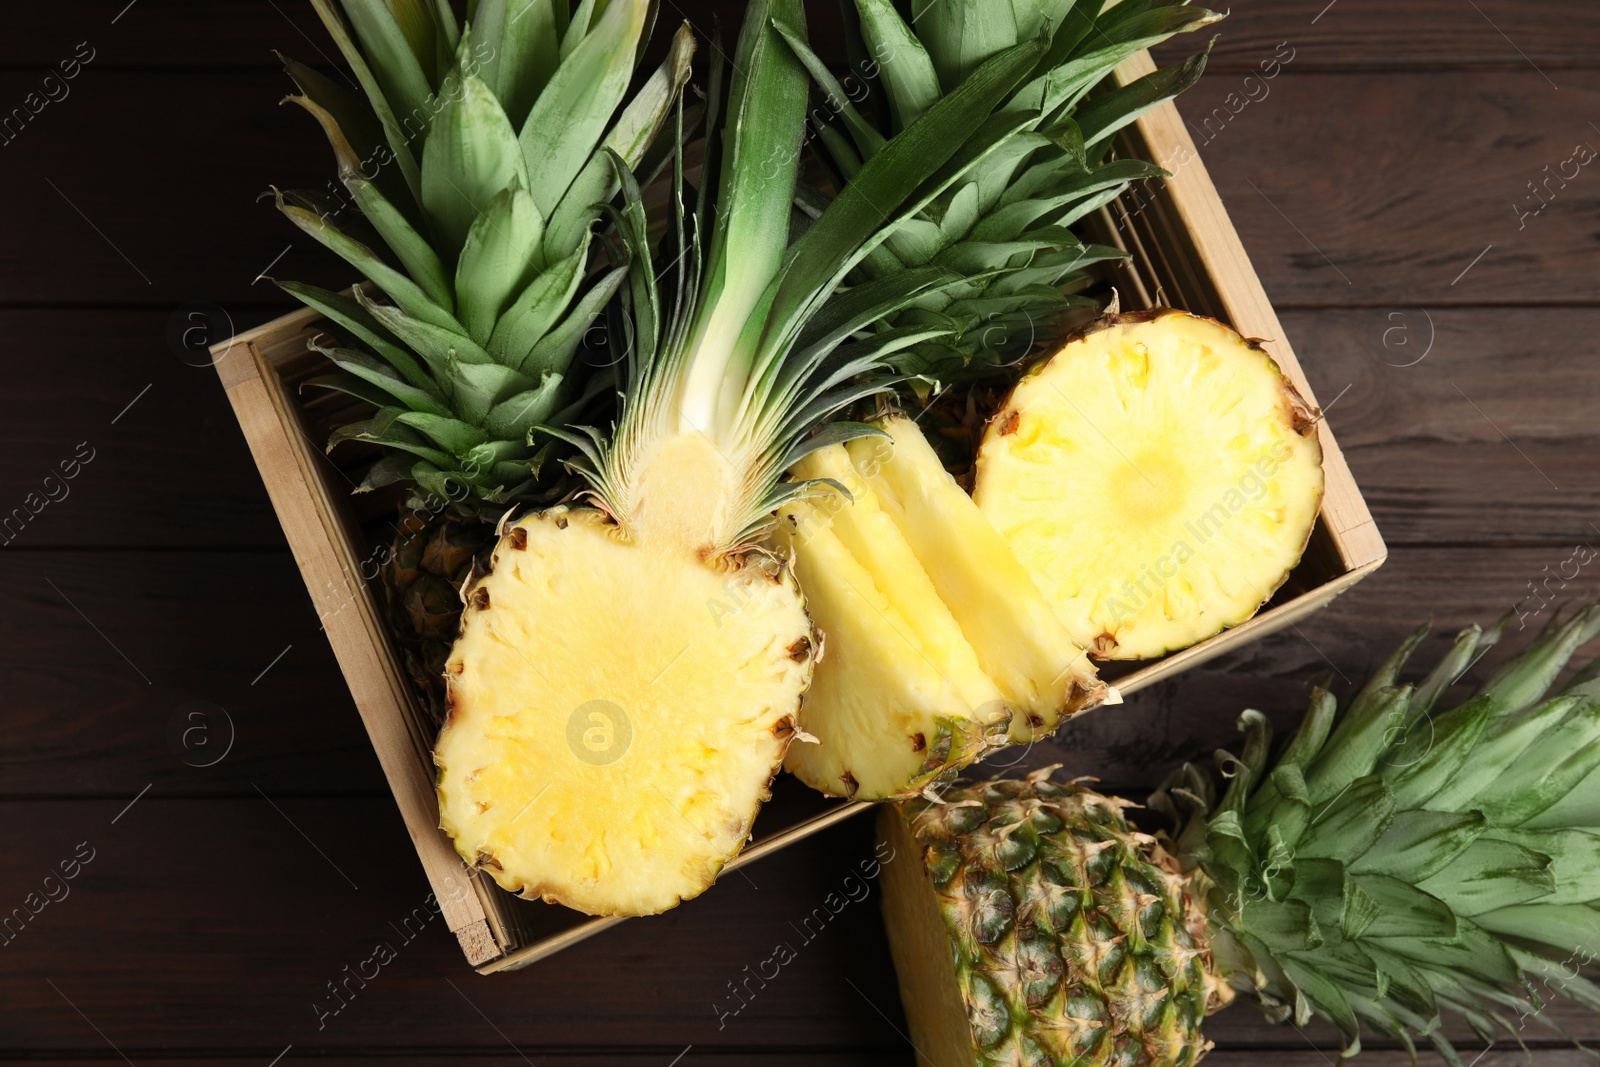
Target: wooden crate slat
[(324, 552)]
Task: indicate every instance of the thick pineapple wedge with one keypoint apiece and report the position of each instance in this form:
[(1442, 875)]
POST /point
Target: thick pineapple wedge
[(1019, 641), (936, 645), (1158, 477), (617, 711), (898, 696)]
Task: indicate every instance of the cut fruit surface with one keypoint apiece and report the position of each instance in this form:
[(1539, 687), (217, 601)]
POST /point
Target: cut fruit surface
[(936, 645), (1158, 477), (898, 696), (1019, 641), (616, 713)]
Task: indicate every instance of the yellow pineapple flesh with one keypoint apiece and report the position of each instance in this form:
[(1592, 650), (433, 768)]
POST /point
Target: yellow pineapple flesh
[(1019, 641), (1158, 477), (572, 766), (898, 695), (936, 646)]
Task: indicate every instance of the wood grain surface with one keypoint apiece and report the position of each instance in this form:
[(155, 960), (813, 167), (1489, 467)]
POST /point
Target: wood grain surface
[(171, 705), (1342, 35)]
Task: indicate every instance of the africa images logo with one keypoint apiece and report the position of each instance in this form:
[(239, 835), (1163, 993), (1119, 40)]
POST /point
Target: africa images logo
[(599, 732)]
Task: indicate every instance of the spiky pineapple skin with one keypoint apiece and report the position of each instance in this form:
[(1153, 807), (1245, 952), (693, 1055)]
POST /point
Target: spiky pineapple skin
[(425, 567), (1074, 938)]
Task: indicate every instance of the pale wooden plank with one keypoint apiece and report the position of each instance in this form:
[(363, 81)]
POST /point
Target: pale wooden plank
[(330, 563)]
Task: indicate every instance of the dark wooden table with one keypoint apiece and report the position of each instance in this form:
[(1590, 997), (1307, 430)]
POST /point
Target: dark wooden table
[(1381, 182)]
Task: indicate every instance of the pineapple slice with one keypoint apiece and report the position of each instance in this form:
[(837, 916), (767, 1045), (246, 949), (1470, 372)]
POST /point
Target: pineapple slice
[(1158, 477), (937, 646), (617, 711), (1019, 641), (898, 696)]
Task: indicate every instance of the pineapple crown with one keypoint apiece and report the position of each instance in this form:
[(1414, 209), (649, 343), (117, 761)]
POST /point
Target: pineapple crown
[(1395, 861), (759, 342), (475, 158), (1003, 229)]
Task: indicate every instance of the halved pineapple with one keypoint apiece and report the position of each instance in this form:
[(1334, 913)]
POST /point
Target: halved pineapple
[(1158, 477), (936, 644), (571, 767)]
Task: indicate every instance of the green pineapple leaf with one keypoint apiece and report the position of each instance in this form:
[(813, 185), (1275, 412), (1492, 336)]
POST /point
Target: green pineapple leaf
[(568, 120), (501, 256)]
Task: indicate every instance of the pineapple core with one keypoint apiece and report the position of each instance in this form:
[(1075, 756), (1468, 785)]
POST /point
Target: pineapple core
[(1158, 478)]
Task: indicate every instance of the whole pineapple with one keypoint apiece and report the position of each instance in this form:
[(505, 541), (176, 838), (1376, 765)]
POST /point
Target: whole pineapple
[(1390, 864)]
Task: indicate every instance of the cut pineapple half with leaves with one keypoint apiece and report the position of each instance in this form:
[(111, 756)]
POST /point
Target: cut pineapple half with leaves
[(732, 375), (937, 646), (1158, 477), (572, 768)]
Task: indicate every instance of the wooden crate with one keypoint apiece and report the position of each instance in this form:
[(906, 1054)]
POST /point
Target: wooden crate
[(1183, 253)]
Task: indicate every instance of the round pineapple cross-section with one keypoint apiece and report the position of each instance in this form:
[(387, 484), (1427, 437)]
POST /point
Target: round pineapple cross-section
[(1158, 477), (617, 713)]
